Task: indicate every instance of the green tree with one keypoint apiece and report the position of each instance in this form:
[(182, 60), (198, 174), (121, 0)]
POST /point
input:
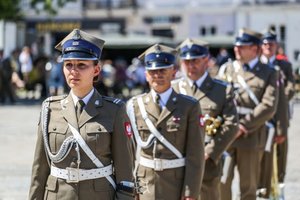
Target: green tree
[(10, 10), (49, 6)]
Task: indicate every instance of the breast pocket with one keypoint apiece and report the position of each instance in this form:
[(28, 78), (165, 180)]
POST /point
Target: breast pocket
[(144, 131), (99, 136), (211, 109), (57, 134), (172, 126)]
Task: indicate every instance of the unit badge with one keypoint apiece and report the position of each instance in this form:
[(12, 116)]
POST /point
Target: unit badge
[(128, 129), (201, 121)]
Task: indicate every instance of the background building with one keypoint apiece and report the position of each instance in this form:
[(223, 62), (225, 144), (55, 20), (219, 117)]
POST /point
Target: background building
[(136, 24)]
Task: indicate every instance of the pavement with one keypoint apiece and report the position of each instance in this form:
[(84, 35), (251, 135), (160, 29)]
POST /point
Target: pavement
[(18, 126)]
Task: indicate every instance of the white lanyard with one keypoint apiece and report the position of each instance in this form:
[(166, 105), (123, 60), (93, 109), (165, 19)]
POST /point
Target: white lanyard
[(154, 131), (89, 152)]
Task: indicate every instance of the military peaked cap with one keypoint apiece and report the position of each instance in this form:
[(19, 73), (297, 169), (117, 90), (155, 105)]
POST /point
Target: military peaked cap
[(80, 45), (269, 36), (248, 37), (191, 49), (158, 57)]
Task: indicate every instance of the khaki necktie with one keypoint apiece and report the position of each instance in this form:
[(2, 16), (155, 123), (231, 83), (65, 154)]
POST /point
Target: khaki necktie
[(79, 107), (246, 67), (195, 87), (157, 99)]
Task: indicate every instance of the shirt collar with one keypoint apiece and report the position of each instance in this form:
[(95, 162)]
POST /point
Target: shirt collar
[(84, 99), (265, 60), (272, 59), (164, 97), (253, 62), (199, 81)]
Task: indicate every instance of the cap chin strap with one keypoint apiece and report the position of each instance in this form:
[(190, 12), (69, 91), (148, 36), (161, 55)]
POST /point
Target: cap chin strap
[(155, 67), (79, 49)]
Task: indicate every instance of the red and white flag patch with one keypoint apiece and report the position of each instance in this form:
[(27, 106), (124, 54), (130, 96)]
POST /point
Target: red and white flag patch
[(128, 129), (201, 120)]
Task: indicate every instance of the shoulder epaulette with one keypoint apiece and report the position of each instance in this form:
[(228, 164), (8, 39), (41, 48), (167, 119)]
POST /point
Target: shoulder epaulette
[(220, 82), (177, 80), (139, 95), (188, 97), (56, 98), (113, 100)]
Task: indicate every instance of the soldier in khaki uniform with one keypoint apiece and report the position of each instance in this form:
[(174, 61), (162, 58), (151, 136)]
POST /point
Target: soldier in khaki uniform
[(256, 97), (217, 104), (170, 140), (281, 117), (83, 148)]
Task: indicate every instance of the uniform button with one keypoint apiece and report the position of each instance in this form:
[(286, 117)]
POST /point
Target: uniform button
[(73, 164), (54, 128)]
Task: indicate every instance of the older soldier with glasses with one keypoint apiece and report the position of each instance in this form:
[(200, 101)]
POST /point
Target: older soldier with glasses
[(217, 104), (83, 148), (170, 140)]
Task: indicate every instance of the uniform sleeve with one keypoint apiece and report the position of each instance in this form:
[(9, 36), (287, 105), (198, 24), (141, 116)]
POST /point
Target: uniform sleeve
[(227, 132), (281, 118), (194, 168), (289, 82), (266, 108), (122, 148), (40, 169)]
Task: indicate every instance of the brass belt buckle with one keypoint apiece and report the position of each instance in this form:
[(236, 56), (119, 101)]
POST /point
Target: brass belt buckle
[(73, 175)]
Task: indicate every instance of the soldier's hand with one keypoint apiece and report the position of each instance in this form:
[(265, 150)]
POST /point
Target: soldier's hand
[(242, 131), (206, 156), (279, 139)]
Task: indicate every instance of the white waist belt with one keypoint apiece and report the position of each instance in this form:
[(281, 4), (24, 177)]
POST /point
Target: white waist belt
[(74, 175), (244, 110), (161, 164)]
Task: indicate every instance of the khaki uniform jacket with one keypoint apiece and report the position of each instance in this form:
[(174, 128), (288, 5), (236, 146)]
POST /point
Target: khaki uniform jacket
[(288, 77), (215, 99), (286, 92), (101, 125), (281, 117), (179, 123), (262, 81)]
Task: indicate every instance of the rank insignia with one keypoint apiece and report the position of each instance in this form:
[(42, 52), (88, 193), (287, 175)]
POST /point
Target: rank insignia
[(128, 129), (176, 119)]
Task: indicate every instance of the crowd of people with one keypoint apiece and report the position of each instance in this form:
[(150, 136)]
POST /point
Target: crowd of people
[(25, 76)]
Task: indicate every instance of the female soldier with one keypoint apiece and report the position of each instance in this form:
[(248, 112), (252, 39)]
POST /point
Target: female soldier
[(83, 148)]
